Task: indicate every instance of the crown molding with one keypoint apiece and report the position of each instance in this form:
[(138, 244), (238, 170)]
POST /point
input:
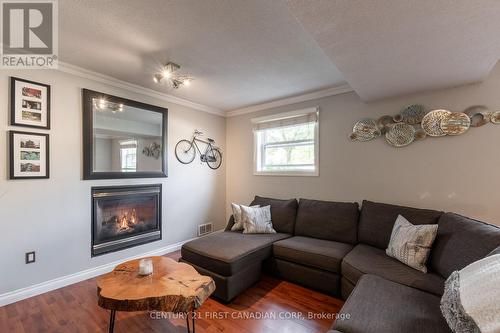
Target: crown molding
[(112, 81), (337, 90), (91, 75)]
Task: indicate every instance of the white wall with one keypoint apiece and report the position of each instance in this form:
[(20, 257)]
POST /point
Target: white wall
[(53, 216), (457, 174)]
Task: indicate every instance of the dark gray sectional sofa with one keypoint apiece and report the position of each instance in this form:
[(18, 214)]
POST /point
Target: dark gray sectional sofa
[(339, 249)]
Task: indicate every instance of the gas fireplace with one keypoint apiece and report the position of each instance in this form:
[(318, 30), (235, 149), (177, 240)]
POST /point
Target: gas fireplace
[(125, 216)]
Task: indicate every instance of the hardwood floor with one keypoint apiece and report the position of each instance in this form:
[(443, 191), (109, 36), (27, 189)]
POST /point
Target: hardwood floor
[(74, 309)]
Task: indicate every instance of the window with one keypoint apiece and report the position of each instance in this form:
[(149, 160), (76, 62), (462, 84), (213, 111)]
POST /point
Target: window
[(128, 155), (287, 144)]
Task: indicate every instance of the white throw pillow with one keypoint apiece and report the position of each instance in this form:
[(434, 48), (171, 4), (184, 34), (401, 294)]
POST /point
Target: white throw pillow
[(257, 220), (411, 244), (238, 223)]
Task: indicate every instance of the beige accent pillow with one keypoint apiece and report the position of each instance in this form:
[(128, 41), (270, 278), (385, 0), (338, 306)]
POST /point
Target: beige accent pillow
[(257, 220), (411, 244), (238, 223)]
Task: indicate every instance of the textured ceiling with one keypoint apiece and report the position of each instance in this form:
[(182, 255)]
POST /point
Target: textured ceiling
[(240, 52), (392, 47)]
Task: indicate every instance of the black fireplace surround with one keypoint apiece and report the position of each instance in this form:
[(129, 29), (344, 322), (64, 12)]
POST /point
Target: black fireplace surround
[(125, 216)]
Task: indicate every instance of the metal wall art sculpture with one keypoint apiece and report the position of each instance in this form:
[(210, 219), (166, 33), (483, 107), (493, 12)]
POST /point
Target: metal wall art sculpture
[(415, 123), (152, 150)]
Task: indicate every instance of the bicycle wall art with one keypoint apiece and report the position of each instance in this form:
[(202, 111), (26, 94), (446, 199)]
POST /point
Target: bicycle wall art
[(185, 151)]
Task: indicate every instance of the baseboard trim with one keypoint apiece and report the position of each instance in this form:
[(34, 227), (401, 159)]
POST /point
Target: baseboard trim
[(40, 288)]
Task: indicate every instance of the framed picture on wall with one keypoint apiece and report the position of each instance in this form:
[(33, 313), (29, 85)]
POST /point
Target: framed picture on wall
[(29, 155), (29, 103)]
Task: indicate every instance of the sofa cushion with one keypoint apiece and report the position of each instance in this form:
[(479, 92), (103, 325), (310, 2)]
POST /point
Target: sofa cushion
[(283, 212), (336, 221), (461, 241), (377, 219), (313, 278), (378, 305), (365, 259), (228, 252), (317, 253)]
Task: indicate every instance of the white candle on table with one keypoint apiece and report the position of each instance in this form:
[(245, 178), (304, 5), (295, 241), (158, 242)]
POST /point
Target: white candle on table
[(145, 266)]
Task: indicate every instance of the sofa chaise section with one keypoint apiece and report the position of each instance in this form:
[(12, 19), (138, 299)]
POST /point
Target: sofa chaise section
[(378, 305), (233, 259), (230, 253)]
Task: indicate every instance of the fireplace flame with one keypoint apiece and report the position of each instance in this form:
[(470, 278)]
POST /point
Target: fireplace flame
[(126, 220), (133, 218), (124, 224)]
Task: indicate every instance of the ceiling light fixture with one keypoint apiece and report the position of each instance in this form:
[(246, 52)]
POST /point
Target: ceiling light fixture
[(170, 75)]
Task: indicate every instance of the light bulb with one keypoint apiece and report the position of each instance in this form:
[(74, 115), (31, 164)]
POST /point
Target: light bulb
[(187, 82), (167, 73)]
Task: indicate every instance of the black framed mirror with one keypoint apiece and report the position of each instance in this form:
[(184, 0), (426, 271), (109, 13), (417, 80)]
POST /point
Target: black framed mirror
[(123, 138)]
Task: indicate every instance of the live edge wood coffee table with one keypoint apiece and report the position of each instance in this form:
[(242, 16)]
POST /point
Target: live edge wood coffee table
[(172, 287)]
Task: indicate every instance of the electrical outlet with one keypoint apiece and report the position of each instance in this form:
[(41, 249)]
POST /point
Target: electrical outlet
[(30, 257)]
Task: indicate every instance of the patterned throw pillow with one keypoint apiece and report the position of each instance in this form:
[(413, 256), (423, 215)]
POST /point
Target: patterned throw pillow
[(257, 220), (411, 244), (238, 223)]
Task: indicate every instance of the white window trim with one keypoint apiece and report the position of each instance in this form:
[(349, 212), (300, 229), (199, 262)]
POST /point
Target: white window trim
[(285, 115)]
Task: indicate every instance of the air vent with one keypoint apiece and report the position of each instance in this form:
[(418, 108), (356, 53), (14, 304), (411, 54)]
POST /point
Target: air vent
[(204, 229)]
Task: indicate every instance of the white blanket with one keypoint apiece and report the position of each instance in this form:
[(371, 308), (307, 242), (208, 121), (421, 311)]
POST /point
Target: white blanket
[(480, 293)]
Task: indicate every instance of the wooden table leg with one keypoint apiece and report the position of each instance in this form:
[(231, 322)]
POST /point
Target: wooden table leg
[(112, 321), (193, 316)]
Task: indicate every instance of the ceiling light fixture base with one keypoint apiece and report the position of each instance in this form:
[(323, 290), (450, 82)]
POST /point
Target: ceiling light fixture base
[(170, 76)]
